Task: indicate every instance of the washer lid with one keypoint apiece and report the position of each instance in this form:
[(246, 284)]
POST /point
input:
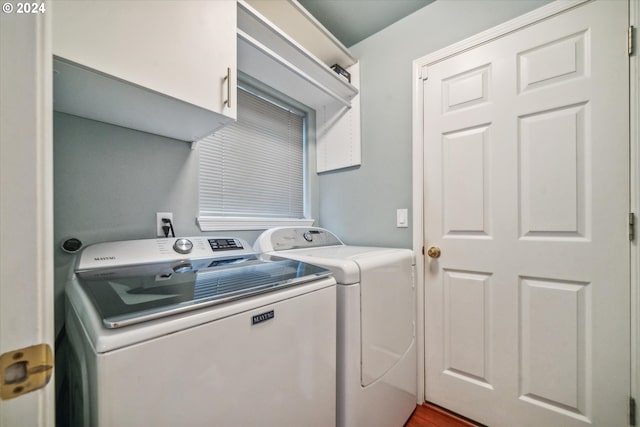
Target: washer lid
[(345, 261), (128, 295), (345, 271)]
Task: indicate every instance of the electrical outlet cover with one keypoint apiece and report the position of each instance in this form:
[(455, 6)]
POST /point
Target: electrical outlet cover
[(159, 217)]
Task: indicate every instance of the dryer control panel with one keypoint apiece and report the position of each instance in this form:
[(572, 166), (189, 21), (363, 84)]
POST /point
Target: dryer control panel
[(283, 238)]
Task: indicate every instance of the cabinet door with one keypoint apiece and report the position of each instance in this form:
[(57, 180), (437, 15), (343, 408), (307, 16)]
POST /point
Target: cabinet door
[(183, 49), (338, 132)]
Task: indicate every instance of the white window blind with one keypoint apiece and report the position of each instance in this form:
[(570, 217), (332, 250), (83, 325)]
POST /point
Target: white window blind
[(253, 168)]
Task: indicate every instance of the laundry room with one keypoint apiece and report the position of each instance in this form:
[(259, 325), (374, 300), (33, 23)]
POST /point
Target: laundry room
[(110, 181), (409, 190)]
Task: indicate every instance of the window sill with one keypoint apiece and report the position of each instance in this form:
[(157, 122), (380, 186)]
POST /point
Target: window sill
[(225, 223)]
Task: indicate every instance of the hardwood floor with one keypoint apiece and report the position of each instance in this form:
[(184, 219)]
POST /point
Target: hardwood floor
[(428, 415)]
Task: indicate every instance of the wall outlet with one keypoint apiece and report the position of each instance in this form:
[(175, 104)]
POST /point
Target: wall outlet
[(159, 217), (402, 218)]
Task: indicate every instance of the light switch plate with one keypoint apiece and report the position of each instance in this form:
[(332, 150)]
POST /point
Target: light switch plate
[(402, 218)]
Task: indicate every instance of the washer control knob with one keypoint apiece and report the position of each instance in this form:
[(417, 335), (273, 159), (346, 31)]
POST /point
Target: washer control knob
[(308, 236), (183, 246)]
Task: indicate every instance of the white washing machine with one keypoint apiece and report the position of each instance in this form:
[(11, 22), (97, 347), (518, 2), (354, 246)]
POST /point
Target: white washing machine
[(199, 332), (376, 349)]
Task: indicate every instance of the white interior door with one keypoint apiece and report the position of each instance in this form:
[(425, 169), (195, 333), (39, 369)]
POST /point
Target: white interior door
[(526, 158)]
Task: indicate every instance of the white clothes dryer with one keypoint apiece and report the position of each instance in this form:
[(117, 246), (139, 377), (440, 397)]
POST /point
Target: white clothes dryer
[(376, 306), (199, 332)]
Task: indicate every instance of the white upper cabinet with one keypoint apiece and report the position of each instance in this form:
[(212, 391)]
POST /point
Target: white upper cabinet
[(164, 67)]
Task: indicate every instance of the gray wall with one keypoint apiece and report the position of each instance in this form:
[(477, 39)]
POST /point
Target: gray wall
[(360, 203), (110, 181)]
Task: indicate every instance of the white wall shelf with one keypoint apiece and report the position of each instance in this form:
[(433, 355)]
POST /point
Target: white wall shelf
[(293, 19), (268, 54)]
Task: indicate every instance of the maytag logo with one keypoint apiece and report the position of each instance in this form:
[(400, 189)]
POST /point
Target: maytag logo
[(263, 317), (104, 258)]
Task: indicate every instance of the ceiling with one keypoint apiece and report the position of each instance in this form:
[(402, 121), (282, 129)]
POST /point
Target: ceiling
[(354, 20)]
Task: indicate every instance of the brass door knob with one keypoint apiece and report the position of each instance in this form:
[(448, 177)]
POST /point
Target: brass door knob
[(433, 252)]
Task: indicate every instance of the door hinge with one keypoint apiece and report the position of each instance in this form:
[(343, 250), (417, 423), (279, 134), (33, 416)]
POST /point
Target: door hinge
[(632, 228), (632, 411), (25, 370), (630, 40)]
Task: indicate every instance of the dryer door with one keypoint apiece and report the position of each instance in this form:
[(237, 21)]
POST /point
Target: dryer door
[(387, 311)]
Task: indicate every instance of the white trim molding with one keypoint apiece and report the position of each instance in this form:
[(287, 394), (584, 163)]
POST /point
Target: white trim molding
[(228, 223), (418, 220), (537, 15), (26, 206), (634, 120)]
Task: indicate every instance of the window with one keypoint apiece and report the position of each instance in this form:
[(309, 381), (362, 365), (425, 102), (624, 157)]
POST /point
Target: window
[(252, 171)]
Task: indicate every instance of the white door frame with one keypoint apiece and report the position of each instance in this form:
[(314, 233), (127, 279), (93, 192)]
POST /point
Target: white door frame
[(634, 111), (26, 207), (536, 15)]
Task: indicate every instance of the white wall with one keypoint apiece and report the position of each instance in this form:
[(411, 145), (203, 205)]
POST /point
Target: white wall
[(360, 203)]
